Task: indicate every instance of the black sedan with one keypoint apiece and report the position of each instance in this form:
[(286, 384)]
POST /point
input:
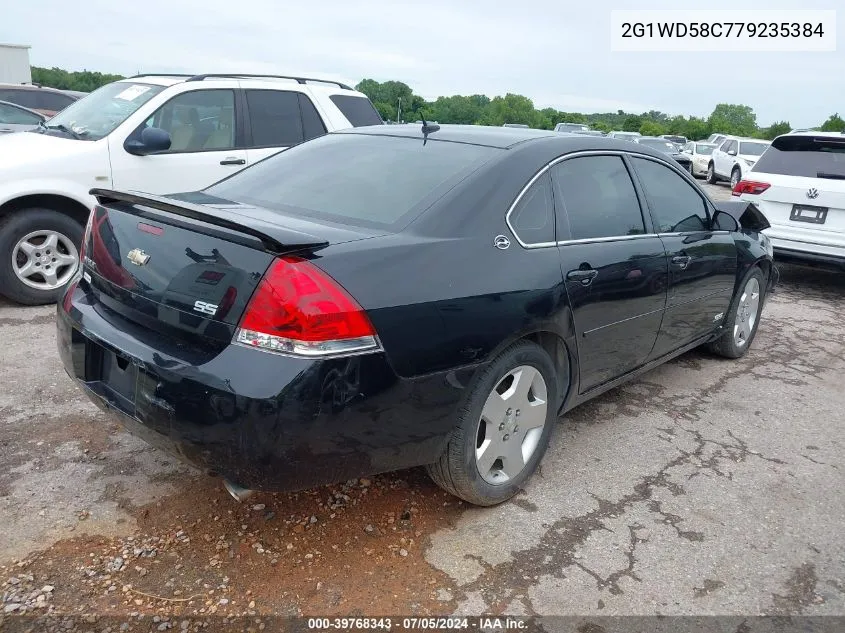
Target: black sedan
[(667, 147), (382, 298)]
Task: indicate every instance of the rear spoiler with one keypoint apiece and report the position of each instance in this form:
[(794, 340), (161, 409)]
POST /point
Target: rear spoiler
[(283, 239), (747, 215)]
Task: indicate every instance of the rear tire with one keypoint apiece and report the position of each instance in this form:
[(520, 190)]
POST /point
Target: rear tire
[(711, 175), (53, 240), (489, 421), (736, 176), (743, 317)]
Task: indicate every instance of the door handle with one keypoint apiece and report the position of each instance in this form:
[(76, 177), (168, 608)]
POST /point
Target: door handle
[(681, 261), (584, 276), (233, 161)]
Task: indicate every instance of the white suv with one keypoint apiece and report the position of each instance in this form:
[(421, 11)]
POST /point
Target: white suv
[(154, 133), (733, 157), (799, 185)]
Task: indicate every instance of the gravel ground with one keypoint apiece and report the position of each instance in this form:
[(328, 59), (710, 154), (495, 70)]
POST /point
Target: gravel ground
[(705, 487)]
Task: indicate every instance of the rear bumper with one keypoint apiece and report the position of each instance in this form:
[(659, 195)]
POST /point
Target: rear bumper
[(787, 250), (259, 419)]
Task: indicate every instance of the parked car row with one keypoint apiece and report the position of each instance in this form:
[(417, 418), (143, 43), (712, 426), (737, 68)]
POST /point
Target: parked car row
[(154, 133)]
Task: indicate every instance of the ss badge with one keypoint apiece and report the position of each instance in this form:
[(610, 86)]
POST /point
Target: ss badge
[(205, 308)]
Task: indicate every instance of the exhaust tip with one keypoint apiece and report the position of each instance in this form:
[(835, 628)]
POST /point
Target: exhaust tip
[(238, 494)]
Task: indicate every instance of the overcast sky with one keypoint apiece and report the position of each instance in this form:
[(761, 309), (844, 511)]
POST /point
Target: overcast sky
[(555, 52)]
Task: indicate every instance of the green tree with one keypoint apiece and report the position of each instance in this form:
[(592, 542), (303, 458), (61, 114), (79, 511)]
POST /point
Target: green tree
[(696, 129), (834, 123), (774, 130), (511, 108), (729, 118), (83, 80), (632, 123), (651, 128)]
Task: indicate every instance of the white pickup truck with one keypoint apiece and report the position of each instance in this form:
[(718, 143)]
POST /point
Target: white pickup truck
[(153, 133)]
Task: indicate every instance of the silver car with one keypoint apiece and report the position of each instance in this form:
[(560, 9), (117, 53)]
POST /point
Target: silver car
[(15, 118)]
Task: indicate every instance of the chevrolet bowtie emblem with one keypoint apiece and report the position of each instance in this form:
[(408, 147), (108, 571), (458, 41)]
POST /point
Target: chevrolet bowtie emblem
[(138, 257)]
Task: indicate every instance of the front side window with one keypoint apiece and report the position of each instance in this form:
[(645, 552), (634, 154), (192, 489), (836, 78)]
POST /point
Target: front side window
[(97, 115), (533, 217), (200, 120), (676, 207), (598, 198)]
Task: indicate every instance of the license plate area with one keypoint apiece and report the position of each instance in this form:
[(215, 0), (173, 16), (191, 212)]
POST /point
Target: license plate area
[(113, 376), (808, 214)]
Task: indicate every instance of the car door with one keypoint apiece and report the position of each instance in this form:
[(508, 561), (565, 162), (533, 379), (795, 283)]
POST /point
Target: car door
[(722, 160), (205, 145), (613, 265), (702, 262), (278, 119)]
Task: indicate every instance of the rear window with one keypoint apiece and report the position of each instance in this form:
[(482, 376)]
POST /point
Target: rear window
[(358, 179), (806, 156), (359, 110)]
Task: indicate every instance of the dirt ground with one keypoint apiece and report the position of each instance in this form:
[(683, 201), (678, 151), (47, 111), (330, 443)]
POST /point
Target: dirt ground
[(704, 487)]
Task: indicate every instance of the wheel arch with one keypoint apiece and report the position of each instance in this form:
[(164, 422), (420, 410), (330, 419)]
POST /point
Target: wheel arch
[(62, 204)]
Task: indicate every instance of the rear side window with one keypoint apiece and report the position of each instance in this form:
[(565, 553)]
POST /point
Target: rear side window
[(358, 110), (312, 123), (364, 180), (275, 119), (533, 217), (807, 156), (598, 198)]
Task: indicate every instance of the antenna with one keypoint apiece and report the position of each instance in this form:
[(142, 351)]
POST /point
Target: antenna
[(427, 128)]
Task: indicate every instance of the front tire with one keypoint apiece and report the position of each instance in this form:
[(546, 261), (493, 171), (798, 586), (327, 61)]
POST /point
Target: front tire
[(711, 175), (39, 254), (743, 317), (502, 429)]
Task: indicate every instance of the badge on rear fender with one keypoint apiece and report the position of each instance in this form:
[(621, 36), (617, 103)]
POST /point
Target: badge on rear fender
[(138, 257)]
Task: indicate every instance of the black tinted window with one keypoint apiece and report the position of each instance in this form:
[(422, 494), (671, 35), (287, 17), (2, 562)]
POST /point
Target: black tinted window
[(806, 156), (52, 100), (274, 118), (358, 110), (676, 206), (312, 124), (355, 179), (25, 98), (598, 197), (533, 217)]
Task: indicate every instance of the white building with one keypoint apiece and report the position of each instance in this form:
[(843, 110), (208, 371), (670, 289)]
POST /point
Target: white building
[(14, 64)]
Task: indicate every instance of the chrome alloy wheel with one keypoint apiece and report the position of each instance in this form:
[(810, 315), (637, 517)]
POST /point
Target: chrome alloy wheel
[(511, 425), (746, 313), (45, 260)]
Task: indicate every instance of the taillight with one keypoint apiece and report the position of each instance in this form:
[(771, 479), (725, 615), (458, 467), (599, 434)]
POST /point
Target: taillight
[(749, 186), (67, 300), (298, 309)]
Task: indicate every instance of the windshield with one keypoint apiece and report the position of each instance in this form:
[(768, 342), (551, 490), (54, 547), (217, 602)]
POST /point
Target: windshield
[(95, 116), (706, 150), (357, 179), (676, 139), (752, 149), (663, 146)]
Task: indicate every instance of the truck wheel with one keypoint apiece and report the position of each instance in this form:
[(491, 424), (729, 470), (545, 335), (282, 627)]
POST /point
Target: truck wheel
[(39, 254)]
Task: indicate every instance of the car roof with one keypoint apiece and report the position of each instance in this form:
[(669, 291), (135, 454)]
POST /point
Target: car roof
[(330, 86), (503, 137), (816, 133), (29, 87)]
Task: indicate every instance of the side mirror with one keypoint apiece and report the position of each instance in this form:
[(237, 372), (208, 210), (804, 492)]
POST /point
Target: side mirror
[(731, 152), (152, 141), (723, 221)]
